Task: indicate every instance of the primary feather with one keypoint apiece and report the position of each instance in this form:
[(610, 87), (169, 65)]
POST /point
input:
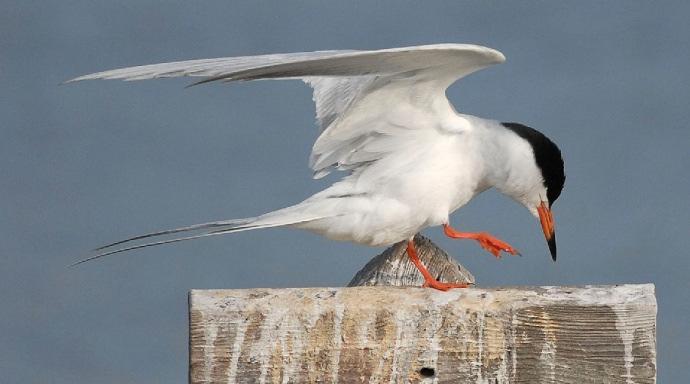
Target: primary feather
[(343, 81)]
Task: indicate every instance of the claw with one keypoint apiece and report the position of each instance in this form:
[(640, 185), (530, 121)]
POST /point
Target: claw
[(429, 281), (486, 241), (444, 286)]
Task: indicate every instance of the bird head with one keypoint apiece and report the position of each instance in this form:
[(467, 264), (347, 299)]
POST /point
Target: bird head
[(546, 164)]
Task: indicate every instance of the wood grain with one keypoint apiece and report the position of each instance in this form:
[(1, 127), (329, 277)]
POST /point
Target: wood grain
[(591, 334), (394, 268)]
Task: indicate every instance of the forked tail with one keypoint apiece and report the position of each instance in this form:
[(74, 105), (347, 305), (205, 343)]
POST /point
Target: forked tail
[(279, 218)]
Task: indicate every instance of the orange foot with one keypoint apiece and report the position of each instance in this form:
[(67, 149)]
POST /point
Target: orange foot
[(429, 281), (435, 284), (486, 241)]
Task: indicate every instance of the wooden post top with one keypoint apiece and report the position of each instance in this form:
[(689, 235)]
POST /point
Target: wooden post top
[(589, 334), (385, 329)]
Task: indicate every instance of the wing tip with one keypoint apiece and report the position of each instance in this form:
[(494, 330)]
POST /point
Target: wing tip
[(74, 80), (106, 75)]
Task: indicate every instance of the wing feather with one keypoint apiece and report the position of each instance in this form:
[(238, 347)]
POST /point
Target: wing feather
[(363, 98), (319, 63)]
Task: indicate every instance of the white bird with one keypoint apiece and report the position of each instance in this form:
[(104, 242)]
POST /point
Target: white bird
[(410, 159)]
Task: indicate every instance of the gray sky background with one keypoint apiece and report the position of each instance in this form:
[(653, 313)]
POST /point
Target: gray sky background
[(90, 163)]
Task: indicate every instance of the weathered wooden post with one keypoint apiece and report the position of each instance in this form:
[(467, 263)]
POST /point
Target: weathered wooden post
[(387, 334)]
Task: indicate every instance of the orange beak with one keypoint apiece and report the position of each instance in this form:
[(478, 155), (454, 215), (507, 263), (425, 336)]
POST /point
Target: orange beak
[(548, 226)]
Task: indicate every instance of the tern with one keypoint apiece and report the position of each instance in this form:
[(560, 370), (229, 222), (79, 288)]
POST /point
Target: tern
[(409, 158)]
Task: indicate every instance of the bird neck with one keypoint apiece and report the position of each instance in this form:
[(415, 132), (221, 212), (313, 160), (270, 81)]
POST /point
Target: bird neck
[(509, 162)]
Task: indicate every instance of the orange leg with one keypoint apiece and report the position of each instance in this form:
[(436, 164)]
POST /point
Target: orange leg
[(488, 242), (429, 280)]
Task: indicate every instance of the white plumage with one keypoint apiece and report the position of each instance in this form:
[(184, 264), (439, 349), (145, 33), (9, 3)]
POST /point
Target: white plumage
[(385, 119)]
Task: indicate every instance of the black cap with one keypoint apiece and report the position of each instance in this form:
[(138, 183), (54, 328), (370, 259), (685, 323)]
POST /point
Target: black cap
[(549, 160)]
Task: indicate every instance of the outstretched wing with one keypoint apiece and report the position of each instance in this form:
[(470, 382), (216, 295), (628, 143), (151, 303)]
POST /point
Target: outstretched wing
[(366, 101)]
